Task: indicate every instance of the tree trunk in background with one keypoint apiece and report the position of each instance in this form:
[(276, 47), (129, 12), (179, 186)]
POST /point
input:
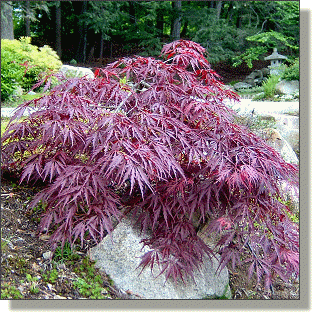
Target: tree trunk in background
[(176, 25), (6, 20), (27, 19), (101, 47), (184, 29), (219, 6), (82, 47), (160, 23), (58, 29), (110, 48), (132, 13)]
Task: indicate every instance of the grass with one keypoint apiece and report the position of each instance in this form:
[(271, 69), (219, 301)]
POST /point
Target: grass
[(65, 254), (15, 102), (250, 92)]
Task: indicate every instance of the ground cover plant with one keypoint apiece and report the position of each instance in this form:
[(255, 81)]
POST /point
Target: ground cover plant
[(162, 145)]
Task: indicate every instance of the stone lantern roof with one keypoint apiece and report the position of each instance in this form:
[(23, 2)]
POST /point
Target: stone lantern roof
[(275, 56)]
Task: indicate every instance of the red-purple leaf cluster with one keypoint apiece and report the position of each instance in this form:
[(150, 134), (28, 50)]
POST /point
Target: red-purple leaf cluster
[(163, 146)]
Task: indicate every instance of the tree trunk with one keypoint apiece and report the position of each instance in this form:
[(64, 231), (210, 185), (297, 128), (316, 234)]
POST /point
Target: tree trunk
[(6, 20), (27, 19), (58, 29), (132, 13), (101, 47), (82, 47), (184, 29), (110, 49), (219, 6), (160, 23), (176, 25), (90, 55)]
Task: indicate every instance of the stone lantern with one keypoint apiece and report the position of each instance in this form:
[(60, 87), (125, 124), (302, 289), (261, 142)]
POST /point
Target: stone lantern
[(276, 66)]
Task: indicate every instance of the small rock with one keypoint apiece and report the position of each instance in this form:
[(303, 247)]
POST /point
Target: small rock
[(44, 237), (36, 267), (58, 297), (47, 255), (21, 289), (62, 266)]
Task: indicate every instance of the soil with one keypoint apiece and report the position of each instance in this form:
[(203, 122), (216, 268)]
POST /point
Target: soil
[(24, 252)]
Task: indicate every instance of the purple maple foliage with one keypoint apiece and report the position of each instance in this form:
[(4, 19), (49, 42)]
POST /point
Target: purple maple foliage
[(155, 138)]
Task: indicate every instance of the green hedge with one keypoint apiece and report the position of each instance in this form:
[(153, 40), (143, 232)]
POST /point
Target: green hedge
[(21, 64)]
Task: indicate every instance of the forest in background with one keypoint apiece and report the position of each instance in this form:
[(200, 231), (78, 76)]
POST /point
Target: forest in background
[(97, 32)]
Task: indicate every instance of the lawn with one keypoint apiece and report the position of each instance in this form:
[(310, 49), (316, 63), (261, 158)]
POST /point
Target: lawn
[(15, 102)]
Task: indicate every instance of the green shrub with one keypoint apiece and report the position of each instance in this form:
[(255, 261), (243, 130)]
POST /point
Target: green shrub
[(21, 64), (292, 72)]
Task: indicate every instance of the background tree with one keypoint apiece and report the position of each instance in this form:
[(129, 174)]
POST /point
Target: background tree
[(102, 17), (6, 20), (27, 18), (58, 28), (176, 23), (224, 28), (82, 47)]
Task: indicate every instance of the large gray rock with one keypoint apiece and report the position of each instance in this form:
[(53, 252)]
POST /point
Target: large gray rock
[(254, 78), (276, 140), (281, 113), (288, 87), (73, 72), (288, 127), (120, 258)]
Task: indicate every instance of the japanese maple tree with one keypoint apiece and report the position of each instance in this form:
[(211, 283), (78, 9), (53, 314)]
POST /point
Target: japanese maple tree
[(155, 139)]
